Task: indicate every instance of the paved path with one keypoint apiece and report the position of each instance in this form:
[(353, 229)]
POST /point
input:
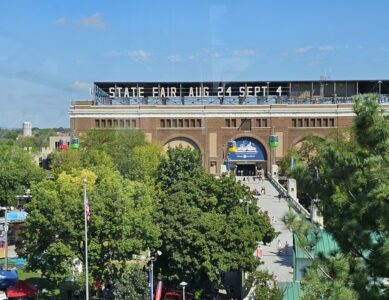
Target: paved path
[(278, 263)]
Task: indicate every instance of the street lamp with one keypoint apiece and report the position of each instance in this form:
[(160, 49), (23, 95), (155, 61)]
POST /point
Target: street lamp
[(183, 284), (153, 258), (248, 202)]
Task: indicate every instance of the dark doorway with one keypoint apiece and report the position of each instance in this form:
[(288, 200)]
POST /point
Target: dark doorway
[(245, 170)]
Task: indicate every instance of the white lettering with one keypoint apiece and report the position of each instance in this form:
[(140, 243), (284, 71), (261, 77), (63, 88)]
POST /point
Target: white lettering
[(133, 89), (257, 90), (162, 92), (155, 91), (220, 91), (264, 88), (119, 90), (140, 91), (191, 94), (279, 91), (206, 91), (126, 93), (173, 91), (112, 92), (241, 91), (248, 90), (229, 91)]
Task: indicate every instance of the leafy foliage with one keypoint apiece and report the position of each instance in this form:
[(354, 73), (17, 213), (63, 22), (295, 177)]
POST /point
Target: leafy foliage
[(206, 231), (354, 192), (132, 284), (265, 286), (18, 172)]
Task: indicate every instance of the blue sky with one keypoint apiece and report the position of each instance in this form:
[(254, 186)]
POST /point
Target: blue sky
[(52, 51)]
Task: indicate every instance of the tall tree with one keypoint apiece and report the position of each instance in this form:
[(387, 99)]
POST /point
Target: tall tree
[(206, 229), (354, 192), (121, 224), (18, 172)]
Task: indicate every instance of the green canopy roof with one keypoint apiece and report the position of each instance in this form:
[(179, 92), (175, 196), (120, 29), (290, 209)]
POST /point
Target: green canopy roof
[(325, 245)]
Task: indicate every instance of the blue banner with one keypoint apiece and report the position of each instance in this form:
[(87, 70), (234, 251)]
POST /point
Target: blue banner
[(248, 149)]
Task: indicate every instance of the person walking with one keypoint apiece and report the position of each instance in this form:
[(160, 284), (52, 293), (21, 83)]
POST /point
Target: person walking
[(279, 246), (279, 197), (286, 248)]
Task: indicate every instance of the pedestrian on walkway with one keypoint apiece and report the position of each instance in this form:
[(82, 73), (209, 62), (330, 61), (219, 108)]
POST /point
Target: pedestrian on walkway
[(263, 191), (273, 220), (279, 197), (286, 248), (279, 246)]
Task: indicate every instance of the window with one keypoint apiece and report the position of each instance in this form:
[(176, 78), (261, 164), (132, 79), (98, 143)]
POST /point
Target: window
[(300, 122), (199, 123), (97, 123), (109, 123), (192, 123), (115, 123), (121, 123), (264, 122), (168, 123), (312, 123), (103, 123), (294, 123), (127, 123), (306, 122), (233, 123), (227, 123), (332, 123), (325, 121), (133, 125), (174, 123), (245, 124), (162, 123), (318, 121), (258, 123), (186, 121), (180, 123)]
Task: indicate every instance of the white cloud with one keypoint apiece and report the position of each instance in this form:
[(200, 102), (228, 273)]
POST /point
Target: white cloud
[(244, 52), (302, 49), (327, 48), (60, 21), (140, 55), (94, 20), (80, 86), (174, 58)]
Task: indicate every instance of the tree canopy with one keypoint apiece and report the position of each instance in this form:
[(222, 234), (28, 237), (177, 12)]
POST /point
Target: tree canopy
[(351, 177)]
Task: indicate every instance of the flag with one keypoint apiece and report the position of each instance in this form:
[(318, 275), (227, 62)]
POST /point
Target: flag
[(292, 163), (87, 211)]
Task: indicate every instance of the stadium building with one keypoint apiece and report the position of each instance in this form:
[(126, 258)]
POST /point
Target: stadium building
[(208, 115)]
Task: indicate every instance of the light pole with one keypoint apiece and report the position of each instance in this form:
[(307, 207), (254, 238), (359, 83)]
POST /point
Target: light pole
[(5, 230), (248, 202), (153, 258), (183, 284)]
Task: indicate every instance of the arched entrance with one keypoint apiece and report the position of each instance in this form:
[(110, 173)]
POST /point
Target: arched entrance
[(249, 159), (181, 141)]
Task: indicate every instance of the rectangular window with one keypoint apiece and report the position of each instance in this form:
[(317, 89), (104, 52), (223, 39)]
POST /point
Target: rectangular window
[(133, 124), (97, 123), (186, 122), (180, 123), (115, 123), (306, 122), (312, 123), (174, 123), (168, 123), (300, 122), (227, 123), (109, 123), (233, 123), (318, 121), (103, 123), (294, 123), (325, 122), (258, 123), (332, 122), (264, 122), (199, 123), (192, 123), (127, 123), (245, 124), (162, 123)]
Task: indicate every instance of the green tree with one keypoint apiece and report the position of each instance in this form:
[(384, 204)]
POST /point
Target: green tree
[(116, 143), (132, 284), (265, 286), (18, 172), (121, 224), (206, 231), (353, 187)]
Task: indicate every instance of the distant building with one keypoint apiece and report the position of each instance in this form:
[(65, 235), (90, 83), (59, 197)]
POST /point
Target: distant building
[(27, 129)]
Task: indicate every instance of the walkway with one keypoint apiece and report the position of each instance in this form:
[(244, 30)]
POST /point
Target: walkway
[(278, 263)]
